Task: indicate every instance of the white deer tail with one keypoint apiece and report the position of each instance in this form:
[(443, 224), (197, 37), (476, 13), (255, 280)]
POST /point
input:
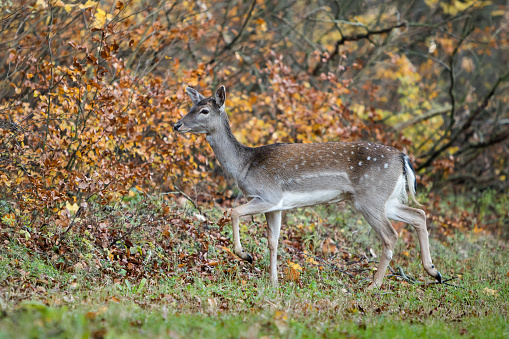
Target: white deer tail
[(411, 181)]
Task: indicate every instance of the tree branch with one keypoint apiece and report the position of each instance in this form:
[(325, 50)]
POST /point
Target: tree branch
[(231, 43), (467, 123), (428, 115), (355, 37)]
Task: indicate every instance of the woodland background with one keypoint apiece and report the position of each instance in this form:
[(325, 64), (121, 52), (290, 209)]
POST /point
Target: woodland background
[(89, 92), (98, 193)]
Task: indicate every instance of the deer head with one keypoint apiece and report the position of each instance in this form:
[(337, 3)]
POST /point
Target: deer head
[(206, 114)]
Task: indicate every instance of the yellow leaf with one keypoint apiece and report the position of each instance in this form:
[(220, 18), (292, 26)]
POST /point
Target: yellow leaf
[(261, 24), (477, 229), (72, 208), (100, 18), (489, 291), (498, 12), (88, 4), (68, 8), (295, 266), (312, 260), (281, 321)]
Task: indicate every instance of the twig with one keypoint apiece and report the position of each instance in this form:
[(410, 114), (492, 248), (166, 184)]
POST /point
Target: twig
[(231, 43), (188, 198), (402, 275), (467, 124), (114, 241), (78, 213), (355, 37)]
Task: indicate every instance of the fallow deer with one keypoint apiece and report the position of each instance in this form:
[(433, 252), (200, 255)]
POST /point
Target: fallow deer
[(280, 177)]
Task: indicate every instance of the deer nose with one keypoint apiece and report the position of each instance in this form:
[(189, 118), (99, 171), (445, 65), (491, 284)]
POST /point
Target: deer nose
[(177, 126)]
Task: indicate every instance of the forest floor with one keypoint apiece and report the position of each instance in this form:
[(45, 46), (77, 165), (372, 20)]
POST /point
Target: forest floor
[(152, 269)]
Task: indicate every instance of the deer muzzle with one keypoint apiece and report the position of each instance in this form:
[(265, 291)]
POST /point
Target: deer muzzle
[(177, 126)]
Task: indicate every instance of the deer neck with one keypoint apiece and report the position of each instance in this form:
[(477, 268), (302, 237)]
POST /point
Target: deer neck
[(230, 153)]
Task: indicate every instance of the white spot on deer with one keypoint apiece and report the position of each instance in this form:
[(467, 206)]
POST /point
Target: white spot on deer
[(296, 166), (333, 152), (382, 155), (374, 159), (367, 147), (360, 163), (351, 167), (365, 175), (369, 158), (386, 165), (304, 162), (352, 152)]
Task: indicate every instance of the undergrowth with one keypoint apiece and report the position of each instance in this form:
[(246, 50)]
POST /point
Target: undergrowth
[(150, 267)]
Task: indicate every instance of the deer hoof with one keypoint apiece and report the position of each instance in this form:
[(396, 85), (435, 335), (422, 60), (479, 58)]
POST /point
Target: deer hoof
[(438, 277), (245, 256)]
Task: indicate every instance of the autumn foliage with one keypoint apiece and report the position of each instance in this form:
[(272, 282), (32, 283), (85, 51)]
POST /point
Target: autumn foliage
[(90, 90)]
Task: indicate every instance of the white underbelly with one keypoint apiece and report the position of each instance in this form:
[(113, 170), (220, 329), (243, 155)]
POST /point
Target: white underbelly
[(302, 199)]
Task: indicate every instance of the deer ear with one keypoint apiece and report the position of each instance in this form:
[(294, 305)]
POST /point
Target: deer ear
[(195, 96), (221, 97)]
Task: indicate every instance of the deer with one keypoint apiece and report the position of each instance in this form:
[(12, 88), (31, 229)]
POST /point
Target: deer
[(285, 176)]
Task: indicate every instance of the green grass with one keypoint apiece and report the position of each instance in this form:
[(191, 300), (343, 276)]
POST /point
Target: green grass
[(129, 320), (40, 299)]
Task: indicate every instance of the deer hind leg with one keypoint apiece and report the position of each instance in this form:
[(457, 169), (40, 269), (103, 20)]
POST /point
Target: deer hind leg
[(416, 218), (254, 206), (378, 220), (273, 229)]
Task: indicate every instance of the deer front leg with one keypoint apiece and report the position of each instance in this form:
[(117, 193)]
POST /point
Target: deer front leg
[(255, 206), (273, 229)]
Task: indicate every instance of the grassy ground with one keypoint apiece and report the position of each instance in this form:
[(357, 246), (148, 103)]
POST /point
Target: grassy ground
[(188, 284)]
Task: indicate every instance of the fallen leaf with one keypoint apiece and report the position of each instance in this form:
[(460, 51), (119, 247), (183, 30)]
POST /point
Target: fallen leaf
[(114, 299), (291, 274), (489, 291), (91, 315), (281, 321)]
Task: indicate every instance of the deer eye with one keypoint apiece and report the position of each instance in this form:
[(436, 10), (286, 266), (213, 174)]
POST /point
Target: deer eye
[(204, 111)]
